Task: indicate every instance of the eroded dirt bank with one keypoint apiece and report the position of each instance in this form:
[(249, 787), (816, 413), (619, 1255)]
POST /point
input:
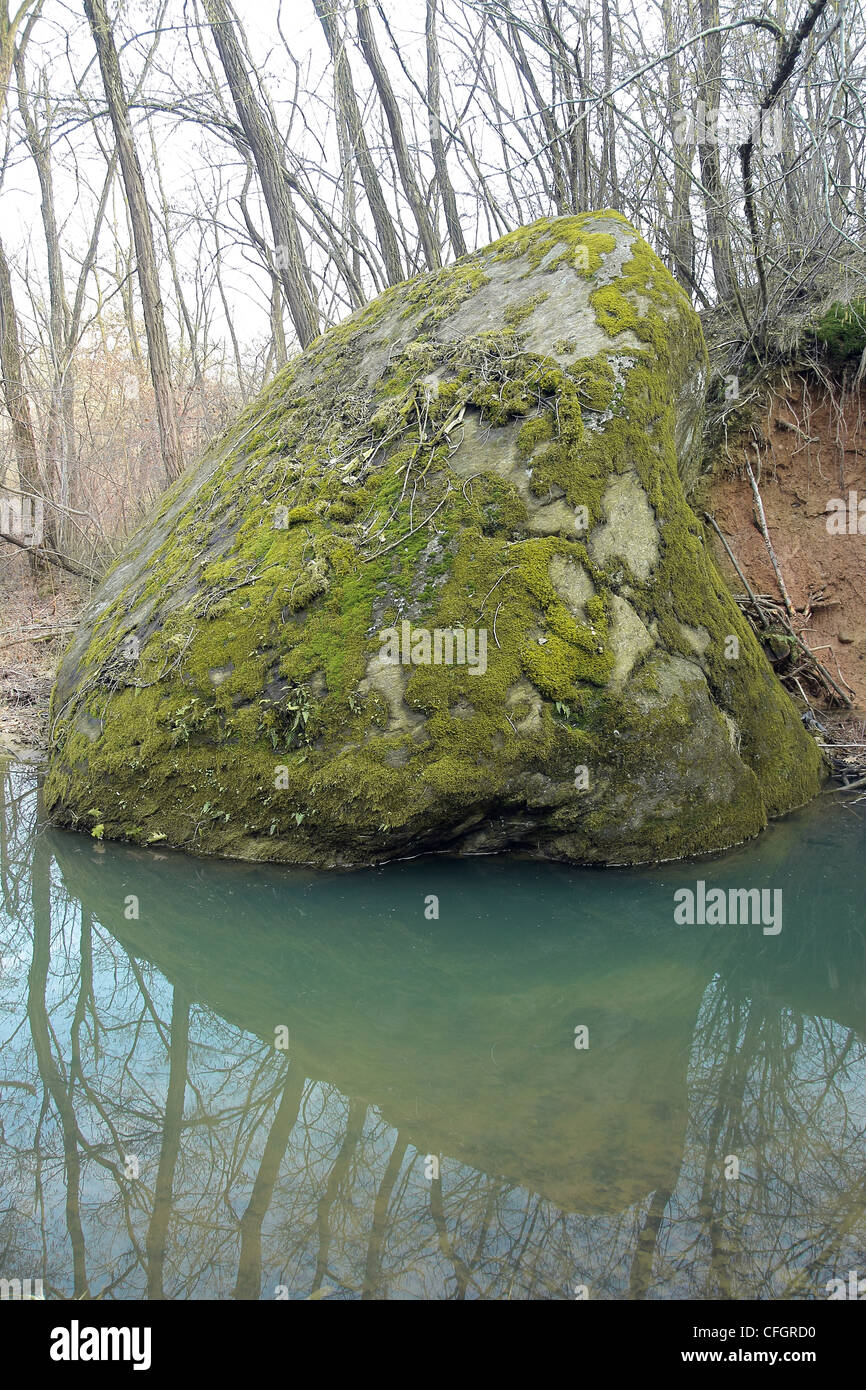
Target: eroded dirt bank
[(809, 453)]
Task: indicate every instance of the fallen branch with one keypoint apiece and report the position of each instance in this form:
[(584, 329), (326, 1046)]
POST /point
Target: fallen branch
[(42, 634), (825, 673), (400, 539), (493, 586), (733, 560), (846, 786), (53, 557), (762, 523), (760, 604)]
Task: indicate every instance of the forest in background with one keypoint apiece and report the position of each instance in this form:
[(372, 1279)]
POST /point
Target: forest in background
[(191, 192)]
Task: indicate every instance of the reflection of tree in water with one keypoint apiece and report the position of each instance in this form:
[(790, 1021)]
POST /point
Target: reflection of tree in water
[(784, 1092), (253, 1176)]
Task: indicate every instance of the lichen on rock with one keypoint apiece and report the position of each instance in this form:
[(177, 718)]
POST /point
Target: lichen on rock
[(503, 446)]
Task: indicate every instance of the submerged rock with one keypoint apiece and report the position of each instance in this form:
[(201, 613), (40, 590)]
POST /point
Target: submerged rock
[(440, 588)]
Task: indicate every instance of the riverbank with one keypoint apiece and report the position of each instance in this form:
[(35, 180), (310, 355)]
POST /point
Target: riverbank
[(38, 616)]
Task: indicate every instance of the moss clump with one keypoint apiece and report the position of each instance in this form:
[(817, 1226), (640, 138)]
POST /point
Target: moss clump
[(517, 314), (552, 244), (842, 331), (443, 291), (453, 480)]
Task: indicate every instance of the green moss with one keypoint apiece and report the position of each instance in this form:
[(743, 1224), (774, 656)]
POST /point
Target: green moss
[(688, 588), (256, 641), (842, 331), (516, 314), (538, 430), (440, 293), (647, 747), (595, 381), (564, 241)]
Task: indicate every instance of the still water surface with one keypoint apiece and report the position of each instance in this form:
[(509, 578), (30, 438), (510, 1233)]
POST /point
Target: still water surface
[(156, 1141)]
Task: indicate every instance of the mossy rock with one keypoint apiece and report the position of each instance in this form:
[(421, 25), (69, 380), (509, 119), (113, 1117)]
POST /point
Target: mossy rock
[(506, 445)]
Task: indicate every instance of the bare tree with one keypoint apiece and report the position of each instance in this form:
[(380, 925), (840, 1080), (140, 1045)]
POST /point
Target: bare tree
[(14, 390), (347, 105), (259, 125), (400, 146), (159, 355), (437, 144)]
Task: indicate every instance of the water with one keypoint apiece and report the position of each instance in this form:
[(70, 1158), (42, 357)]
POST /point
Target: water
[(158, 1139)]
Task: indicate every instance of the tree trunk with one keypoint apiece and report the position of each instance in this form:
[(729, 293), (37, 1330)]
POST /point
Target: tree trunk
[(15, 395), (9, 26), (681, 235), (552, 136), (390, 106), (59, 442), (437, 146), (709, 96), (278, 332), (608, 162), (347, 102), (259, 126), (148, 276)]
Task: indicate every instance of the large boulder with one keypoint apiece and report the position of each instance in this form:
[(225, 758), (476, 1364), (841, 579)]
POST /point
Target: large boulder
[(441, 588)]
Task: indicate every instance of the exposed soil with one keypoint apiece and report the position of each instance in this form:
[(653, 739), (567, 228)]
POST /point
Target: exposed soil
[(811, 446)]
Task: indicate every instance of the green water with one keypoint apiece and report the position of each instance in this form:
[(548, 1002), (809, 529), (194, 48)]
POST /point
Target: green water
[(157, 1139)]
